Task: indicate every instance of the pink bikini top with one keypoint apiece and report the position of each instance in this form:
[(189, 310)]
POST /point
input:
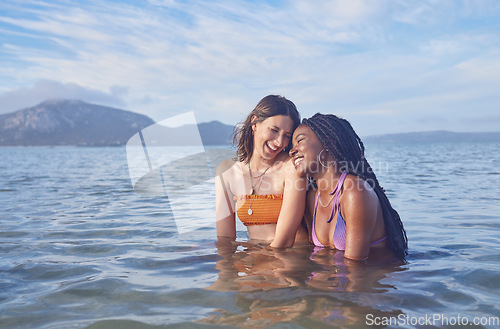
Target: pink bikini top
[(340, 233)]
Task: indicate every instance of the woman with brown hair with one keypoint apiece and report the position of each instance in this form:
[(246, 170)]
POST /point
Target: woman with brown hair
[(261, 186)]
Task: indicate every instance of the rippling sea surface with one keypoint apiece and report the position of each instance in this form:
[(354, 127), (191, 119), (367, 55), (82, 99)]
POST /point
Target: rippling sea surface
[(79, 248)]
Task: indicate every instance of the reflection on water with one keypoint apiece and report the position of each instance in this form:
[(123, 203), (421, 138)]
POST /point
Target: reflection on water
[(302, 284)]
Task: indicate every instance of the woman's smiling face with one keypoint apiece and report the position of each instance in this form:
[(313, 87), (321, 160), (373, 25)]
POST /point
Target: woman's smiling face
[(272, 135), (306, 151)]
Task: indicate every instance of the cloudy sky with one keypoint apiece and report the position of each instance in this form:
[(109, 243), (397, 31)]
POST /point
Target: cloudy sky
[(387, 66)]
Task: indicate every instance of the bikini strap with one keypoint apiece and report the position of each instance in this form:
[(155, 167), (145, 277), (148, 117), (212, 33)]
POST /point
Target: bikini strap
[(378, 241), (316, 207), (336, 191)]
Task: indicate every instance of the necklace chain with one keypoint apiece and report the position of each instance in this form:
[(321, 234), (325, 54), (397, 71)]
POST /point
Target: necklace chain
[(321, 203), (259, 176), (252, 191)]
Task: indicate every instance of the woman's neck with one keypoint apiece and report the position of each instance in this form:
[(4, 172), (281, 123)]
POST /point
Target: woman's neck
[(259, 164), (328, 179)]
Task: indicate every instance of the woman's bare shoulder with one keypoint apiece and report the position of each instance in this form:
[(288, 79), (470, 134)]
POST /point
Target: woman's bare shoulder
[(225, 165), (358, 191), (283, 156), (286, 162)]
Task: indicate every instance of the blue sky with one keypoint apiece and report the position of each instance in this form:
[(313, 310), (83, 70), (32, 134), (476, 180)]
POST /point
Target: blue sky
[(386, 66)]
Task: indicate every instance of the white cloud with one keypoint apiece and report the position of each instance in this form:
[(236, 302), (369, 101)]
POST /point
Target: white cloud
[(219, 58), (47, 89)]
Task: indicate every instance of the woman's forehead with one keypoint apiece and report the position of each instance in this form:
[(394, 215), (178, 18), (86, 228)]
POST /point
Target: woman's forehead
[(281, 121), (302, 129)]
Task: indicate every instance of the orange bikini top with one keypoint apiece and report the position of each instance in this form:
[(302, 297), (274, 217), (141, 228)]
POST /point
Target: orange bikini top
[(264, 209)]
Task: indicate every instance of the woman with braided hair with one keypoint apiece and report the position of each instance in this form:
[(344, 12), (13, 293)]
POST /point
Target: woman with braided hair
[(348, 209)]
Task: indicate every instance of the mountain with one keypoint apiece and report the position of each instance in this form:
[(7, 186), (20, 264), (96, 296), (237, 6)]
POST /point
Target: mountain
[(74, 122), (434, 136), (211, 133), (215, 133), (69, 122)]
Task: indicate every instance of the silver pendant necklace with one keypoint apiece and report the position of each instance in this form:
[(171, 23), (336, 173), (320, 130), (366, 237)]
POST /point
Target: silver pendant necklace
[(321, 203), (252, 189)]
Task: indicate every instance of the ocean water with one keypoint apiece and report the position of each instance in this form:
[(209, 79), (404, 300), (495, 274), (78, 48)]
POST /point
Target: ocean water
[(79, 248)]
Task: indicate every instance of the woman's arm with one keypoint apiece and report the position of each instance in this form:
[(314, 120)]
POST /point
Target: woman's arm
[(224, 204), (292, 210), (359, 205), (308, 212)]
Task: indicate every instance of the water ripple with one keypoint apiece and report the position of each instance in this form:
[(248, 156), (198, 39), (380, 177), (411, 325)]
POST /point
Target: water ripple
[(81, 249)]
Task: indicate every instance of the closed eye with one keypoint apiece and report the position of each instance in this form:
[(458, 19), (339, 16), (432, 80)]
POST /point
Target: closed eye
[(297, 142)]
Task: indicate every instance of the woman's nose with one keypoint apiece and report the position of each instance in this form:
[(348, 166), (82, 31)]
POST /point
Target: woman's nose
[(292, 152), (280, 140)]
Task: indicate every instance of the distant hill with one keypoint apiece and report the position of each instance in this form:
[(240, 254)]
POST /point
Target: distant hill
[(434, 136), (74, 122), (211, 133), (215, 133), (69, 122)]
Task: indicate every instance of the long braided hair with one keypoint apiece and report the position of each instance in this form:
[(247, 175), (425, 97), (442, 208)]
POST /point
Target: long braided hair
[(344, 145), (267, 107)]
